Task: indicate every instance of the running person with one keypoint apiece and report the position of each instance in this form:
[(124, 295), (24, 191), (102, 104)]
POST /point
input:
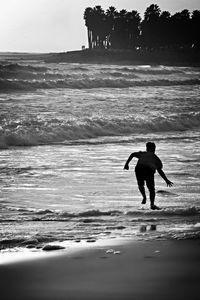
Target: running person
[(148, 163)]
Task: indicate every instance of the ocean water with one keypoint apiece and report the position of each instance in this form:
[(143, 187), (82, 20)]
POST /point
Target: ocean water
[(66, 131)]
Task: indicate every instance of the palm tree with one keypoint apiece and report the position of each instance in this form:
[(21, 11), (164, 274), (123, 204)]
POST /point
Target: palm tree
[(195, 25), (125, 30), (111, 15), (150, 27), (164, 29), (152, 13), (133, 24), (121, 29), (186, 28), (95, 21), (88, 17), (113, 29), (98, 26), (181, 29)]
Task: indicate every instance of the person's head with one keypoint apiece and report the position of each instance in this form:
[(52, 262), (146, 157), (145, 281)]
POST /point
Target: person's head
[(151, 147)]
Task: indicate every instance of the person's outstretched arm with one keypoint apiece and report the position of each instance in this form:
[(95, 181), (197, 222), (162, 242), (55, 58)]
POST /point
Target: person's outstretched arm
[(162, 174), (126, 166)]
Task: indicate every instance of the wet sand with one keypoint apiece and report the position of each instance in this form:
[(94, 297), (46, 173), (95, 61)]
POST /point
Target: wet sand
[(138, 270)]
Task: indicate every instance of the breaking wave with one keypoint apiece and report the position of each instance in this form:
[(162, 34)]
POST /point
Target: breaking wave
[(40, 132), (149, 215), (104, 222), (87, 83), (167, 212), (148, 70), (17, 67), (21, 77)]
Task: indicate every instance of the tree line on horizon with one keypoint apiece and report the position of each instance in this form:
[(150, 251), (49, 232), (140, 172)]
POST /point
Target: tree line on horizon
[(112, 29)]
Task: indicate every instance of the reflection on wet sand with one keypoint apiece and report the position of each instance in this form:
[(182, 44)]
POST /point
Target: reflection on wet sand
[(144, 228)]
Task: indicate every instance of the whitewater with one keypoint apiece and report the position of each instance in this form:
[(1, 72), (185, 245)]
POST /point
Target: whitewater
[(66, 130)]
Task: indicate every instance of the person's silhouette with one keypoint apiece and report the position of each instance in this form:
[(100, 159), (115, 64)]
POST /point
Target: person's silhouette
[(148, 163)]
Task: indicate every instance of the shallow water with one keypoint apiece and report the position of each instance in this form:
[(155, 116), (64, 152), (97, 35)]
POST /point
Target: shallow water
[(66, 132)]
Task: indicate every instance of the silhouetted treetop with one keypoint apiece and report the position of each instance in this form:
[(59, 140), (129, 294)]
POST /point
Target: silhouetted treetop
[(126, 30)]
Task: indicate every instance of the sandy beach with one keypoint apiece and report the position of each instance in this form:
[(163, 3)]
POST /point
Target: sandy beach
[(137, 270), (66, 131)]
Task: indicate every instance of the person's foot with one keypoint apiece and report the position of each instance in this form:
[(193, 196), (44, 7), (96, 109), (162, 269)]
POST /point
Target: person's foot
[(144, 201), (154, 207)]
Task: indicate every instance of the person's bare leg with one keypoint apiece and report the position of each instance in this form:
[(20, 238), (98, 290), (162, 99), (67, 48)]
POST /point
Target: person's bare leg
[(152, 199), (152, 194), (142, 191)]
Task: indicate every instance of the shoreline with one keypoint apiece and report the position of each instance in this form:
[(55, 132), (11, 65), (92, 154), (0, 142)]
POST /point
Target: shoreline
[(58, 248), (139, 270)]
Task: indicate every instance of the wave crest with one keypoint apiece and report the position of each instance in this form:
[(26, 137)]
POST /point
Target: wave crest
[(169, 212), (56, 215), (87, 83), (42, 132)]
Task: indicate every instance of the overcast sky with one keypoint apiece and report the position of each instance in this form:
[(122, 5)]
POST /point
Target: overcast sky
[(58, 25)]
